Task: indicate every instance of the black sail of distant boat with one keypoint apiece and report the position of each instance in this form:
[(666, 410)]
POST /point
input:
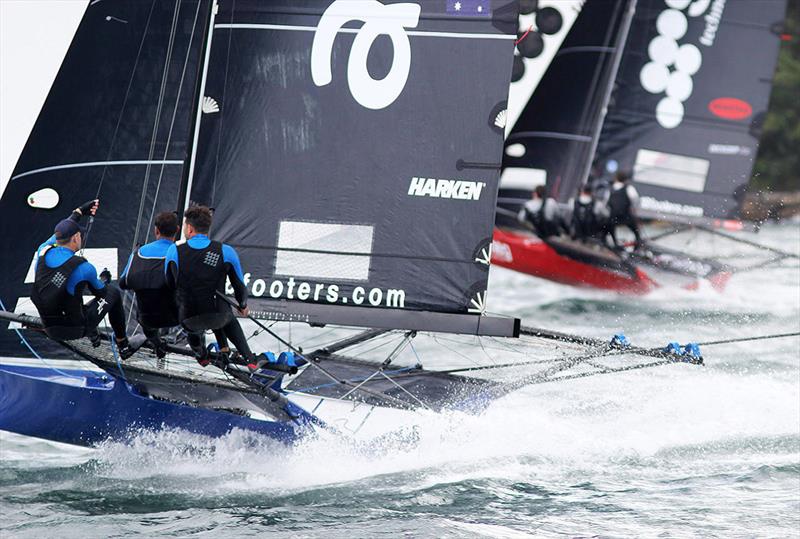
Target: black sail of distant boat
[(557, 130), (353, 158), (691, 95), (115, 124)]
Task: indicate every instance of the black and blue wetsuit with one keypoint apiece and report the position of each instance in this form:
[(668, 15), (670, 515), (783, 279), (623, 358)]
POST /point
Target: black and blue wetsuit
[(144, 274), (197, 271), (61, 278)]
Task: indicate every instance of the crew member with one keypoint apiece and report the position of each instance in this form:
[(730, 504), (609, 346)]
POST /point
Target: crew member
[(197, 270), (584, 220), (144, 274), (541, 212), (61, 278), (622, 202)]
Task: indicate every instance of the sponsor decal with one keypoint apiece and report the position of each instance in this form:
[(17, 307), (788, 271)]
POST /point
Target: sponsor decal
[(454, 189), (729, 149), (672, 64), (665, 206), (379, 19), (730, 108), (322, 293)]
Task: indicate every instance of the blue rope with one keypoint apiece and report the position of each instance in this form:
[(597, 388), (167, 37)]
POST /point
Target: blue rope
[(40, 358)]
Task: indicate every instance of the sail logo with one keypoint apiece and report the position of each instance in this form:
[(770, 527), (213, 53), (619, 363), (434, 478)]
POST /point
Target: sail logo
[(379, 19), (671, 65), (454, 189)]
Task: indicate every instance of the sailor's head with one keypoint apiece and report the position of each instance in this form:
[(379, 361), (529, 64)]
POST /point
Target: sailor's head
[(68, 234), (166, 225), (622, 176), (197, 220), (539, 192), (586, 189)]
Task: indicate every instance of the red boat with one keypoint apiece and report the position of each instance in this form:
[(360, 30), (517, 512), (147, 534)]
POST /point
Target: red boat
[(575, 263)]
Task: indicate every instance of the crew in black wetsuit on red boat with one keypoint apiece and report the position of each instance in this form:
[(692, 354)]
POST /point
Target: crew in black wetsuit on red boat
[(197, 270), (585, 222), (61, 277), (542, 213), (144, 274), (622, 202)]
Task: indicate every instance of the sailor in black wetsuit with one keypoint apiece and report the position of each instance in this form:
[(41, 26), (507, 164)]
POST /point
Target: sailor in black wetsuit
[(541, 211), (584, 218), (622, 202), (197, 271), (61, 277), (144, 274)]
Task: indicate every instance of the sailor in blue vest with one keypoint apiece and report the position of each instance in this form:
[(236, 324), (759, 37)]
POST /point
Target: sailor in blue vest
[(144, 274), (197, 270), (61, 277), (622, 202)]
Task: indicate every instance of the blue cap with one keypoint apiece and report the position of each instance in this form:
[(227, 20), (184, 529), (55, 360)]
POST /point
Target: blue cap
[(66, 229)]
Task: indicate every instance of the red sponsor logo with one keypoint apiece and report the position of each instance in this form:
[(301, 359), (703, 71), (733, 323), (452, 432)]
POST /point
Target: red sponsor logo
[(730, 108)]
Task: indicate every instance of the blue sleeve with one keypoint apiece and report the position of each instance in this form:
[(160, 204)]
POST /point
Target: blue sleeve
[(85, 273), (50, 241), (230, 256), (171, 266), (122, 279)]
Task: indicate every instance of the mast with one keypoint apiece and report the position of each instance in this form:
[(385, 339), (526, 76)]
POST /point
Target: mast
[(186, 181), (612, 79)]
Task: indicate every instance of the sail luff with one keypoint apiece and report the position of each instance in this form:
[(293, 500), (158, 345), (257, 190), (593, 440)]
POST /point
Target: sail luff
[(186, 182)]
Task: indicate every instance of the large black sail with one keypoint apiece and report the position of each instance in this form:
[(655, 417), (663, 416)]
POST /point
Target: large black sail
[(558, 127), (354, 158), (692, 91), (115, 124)]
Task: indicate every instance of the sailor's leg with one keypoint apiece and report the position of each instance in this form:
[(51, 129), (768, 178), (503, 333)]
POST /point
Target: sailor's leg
[(634, 226), (222, 340), (110, 305), (197, 343), (234, 332)]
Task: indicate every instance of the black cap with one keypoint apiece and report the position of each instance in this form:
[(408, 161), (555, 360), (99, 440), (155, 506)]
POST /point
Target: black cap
[(66, 229)]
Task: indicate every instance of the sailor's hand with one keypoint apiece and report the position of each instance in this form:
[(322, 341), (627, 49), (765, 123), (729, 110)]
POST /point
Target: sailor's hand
[(244, 311), (88, 208)]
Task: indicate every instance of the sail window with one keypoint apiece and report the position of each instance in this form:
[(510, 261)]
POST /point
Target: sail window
[(324, 250), (671, 170)]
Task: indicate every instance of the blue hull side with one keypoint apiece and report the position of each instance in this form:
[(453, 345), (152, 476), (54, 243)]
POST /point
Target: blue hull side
[(87, 407)]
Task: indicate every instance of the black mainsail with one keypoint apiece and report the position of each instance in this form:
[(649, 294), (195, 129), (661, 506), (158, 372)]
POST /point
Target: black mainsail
[(353, 160), (691, 94), (557, 130), (115, 124)]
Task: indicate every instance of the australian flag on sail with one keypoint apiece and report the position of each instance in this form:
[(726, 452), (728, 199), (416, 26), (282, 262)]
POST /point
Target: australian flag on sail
[(470, 7)]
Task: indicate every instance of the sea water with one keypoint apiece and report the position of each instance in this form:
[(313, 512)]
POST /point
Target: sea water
[(677, 451)]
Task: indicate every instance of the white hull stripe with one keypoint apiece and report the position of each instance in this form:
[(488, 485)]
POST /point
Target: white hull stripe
[(458, 35), (98, 164)]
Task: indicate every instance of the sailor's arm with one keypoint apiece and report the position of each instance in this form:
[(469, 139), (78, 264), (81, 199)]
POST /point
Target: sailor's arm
[(633, 196), (171, 267), (86, 273), (234, 269), (123, 280)]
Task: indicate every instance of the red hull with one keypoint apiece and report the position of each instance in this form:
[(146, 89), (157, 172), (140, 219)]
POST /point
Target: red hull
[(528, 254)]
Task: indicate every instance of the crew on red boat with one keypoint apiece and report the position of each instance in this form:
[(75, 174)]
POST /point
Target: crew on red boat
[(197, 271), (61, 277), (623, 200), (585, 220), (542, 213), (144, 274)]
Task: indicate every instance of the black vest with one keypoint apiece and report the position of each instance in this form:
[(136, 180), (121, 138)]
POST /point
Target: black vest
[(619, 204), (584, 219), (156, 302), (56, 306), (201, 273)]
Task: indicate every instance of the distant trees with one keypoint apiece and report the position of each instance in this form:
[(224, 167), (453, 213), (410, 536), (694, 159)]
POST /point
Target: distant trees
[(777, 167)]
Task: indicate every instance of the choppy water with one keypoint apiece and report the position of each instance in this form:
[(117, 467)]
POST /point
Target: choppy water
[(680, 451)]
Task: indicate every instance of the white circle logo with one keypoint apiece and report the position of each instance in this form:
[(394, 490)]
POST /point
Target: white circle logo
[(671, 64)]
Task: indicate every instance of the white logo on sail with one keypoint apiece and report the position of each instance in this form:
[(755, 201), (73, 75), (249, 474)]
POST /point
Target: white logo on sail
[(390, 20), (457, 189), (671, 65)]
